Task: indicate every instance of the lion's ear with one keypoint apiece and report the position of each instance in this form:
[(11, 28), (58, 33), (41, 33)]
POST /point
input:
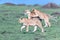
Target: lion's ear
[(33, 9), (21, 18)]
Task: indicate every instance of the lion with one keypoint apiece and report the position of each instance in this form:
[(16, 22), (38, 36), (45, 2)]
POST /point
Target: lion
[(31, 15), (36, 13), (30, 22)]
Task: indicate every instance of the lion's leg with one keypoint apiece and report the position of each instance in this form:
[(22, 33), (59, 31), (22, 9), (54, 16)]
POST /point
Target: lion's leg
[(46, 20), (42, 29), (35, 28), (47, 23), (27, 29), (22, 27), (40, 26)]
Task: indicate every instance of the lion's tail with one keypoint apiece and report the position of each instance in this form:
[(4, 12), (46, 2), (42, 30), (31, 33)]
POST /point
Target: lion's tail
[(54, 18)]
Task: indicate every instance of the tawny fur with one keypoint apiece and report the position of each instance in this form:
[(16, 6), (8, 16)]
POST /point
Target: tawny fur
[(31, 22), (41, 15)]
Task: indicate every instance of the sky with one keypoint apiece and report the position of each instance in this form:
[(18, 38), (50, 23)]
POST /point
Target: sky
[(42, 2)]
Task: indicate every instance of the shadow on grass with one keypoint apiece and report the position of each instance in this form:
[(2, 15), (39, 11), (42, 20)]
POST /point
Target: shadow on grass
[(27, 32)]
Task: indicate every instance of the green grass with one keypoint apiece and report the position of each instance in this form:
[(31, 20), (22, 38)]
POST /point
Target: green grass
[(10, 27)]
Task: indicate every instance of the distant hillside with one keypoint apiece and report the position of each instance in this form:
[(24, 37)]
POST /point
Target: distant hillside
[(36, 5), (21, 4), (50, 5), (11, 4)]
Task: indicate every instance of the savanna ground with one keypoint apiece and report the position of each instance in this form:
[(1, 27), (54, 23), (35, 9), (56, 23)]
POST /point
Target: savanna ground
[(10, 27)]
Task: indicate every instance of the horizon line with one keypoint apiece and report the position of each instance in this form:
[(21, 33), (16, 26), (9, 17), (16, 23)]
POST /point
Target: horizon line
[(28, 4)]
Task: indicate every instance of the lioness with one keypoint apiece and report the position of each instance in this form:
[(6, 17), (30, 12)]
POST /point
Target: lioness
[(41, 15), (31, 22)]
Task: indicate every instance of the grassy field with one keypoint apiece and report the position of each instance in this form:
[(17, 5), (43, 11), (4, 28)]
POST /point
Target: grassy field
[(10, 27)]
